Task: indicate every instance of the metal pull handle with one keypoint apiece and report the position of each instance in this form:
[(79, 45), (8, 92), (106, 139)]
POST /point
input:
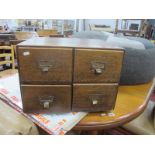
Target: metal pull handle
[(96, 99), (45, 69), (98, 71), (45, 65), (94, 102), (46, 101), (46, 105), (98, 67)]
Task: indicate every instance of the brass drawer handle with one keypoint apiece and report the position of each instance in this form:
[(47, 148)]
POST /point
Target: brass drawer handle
[(98, 67), (94, 102), (96, 99), (46, 101), (45, 65), (98, 71)]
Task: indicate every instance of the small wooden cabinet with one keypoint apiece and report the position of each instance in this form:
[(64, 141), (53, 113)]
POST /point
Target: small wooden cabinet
[(68, 74)]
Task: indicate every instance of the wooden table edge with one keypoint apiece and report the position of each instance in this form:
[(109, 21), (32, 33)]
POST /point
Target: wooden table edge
[(117, 122)]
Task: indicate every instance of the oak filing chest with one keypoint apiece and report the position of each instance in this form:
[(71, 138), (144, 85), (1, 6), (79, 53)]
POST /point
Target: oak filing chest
[(68, 74)]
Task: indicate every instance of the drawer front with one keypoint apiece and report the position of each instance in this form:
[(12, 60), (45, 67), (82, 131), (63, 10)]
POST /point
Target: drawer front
[(45, 65), (94, 97), (97, 66), (53, 98)]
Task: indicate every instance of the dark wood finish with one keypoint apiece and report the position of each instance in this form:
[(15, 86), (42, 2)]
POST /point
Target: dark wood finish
[(86, 58), (103, 96), (32, 95), (33, 60), (73, 62)]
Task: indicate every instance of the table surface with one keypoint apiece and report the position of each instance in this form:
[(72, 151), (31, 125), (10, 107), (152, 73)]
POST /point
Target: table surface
[(130, 103)]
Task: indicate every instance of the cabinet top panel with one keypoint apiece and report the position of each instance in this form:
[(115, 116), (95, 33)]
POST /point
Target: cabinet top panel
[(68, 42)]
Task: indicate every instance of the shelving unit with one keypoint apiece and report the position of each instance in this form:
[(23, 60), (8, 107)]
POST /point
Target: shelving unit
[(64, 27), (129, 26)]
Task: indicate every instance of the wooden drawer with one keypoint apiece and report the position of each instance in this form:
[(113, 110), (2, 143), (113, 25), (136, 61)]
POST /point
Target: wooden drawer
[(97, 66), (52, 98), (45, 65), (94, 97)]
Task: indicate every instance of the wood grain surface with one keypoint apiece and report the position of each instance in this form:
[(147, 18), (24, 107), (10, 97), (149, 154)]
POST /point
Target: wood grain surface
[(32, 95), (31, 59), (87, 59), (102, 95)]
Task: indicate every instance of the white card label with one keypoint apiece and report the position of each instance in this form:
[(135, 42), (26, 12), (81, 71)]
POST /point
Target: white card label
[(26, 53)]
